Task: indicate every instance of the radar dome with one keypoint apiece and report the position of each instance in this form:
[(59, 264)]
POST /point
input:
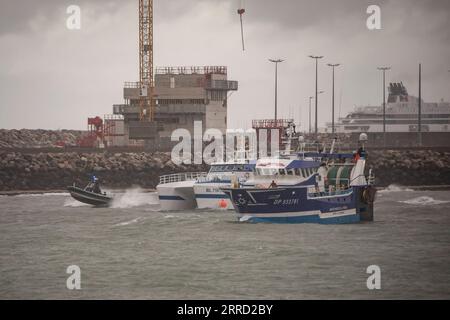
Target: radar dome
[(363, 137)]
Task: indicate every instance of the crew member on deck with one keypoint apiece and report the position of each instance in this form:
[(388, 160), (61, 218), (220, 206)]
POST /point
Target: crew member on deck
[(96, 188), (273, 185)]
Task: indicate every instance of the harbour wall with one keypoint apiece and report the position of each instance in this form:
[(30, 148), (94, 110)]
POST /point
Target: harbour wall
[(53, 171), (57, 170)]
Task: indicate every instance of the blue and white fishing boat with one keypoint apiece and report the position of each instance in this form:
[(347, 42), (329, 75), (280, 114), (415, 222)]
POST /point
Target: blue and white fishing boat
[(313, 187)]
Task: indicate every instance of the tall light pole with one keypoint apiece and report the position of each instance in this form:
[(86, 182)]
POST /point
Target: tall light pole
[(310, 113), (332, 96), (310, 98), (419, 129), (276, 61), (315, 101), (383, 69)]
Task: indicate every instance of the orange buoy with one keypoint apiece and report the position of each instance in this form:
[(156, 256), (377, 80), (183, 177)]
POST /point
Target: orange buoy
[(222, 204)]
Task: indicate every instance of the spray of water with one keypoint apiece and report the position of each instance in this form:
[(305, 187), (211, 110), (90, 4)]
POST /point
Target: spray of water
[(395, 188), (135, 197)]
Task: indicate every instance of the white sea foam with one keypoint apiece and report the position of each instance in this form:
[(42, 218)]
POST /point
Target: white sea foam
[(245, 218), (424, 201), (48, 194), (70, 202), (126, 223), (395, 188), (134, 198)]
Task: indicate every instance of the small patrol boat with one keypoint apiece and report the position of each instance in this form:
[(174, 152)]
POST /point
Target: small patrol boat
[(91, 194)]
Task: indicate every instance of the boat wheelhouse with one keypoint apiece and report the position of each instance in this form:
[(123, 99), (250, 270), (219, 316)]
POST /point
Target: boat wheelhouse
[(207, 189)]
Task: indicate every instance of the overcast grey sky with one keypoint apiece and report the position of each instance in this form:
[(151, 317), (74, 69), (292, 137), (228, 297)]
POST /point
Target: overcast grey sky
[(51, 77)]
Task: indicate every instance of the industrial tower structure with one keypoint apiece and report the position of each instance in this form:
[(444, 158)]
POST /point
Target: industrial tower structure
[(172, 98), (146, 100)]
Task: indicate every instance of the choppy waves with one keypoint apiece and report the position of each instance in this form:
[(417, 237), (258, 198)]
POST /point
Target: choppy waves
[(126, 223), (48, 194), (395, 188), (424, 201), (70, 202)]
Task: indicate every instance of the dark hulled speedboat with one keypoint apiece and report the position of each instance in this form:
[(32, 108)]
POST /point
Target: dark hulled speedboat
[(91, 194)]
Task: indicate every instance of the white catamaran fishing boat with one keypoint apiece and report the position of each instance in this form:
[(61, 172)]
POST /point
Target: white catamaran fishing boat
[(176, 191)]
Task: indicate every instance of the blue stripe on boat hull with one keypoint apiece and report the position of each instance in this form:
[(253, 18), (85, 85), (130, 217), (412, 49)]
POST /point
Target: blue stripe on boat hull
[(211, 196), (165, 197), (353, 218)]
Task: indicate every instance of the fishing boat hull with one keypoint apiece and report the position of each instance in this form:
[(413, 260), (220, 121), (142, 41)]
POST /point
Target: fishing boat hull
[(297, 205), (209, 196), (177, 196), (88, 197)]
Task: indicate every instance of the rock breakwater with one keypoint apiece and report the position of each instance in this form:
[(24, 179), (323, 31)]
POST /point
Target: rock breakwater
[(50, 171)]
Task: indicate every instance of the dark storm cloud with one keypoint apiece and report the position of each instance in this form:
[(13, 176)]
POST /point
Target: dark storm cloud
[(299, 13), (89, 65), (15, 15), (302, 13)]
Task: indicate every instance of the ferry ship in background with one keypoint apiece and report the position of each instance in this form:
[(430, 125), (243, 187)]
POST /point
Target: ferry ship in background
[(401, 115)]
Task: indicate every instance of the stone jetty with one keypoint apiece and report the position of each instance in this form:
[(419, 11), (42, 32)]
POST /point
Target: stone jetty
[(52, 171), (30, 138), (56, 170)]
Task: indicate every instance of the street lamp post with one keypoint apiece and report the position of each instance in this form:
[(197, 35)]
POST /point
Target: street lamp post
[(383, 69), (276, 61), (315, 101), (310, 98), (419, 129), (310, 113), (332, 96)]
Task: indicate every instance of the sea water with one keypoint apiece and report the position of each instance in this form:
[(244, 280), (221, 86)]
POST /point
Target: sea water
[(134, 251)]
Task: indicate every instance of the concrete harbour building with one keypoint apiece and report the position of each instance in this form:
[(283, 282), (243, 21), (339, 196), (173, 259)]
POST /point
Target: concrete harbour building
[(182, 95)]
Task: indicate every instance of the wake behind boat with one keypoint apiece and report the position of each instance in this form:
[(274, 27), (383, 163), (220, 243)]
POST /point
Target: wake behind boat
[(91, 194)]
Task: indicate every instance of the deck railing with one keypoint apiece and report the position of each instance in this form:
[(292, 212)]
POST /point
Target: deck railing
[(183, 176)]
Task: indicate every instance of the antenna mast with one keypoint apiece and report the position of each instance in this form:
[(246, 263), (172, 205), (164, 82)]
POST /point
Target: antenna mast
[(241, 11)]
